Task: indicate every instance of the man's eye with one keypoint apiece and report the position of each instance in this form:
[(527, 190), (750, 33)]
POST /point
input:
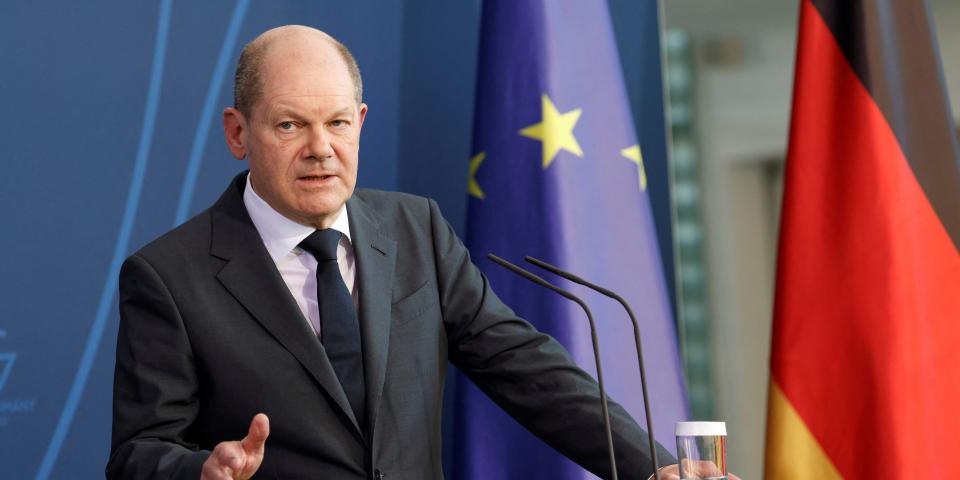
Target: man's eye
[(286, 126), (339, 123)]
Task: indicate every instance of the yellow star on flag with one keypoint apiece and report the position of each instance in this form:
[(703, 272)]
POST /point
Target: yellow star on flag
[(633, 153), (473, 188), (555, 131)]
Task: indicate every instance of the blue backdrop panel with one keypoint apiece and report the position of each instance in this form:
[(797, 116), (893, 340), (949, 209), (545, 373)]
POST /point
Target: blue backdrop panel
[(110, 133)]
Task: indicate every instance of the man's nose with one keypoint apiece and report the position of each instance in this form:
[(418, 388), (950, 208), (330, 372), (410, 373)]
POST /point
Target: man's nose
[(319, 144)]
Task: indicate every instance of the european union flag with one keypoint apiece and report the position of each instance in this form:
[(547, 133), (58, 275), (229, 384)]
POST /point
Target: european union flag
[(557, 173)]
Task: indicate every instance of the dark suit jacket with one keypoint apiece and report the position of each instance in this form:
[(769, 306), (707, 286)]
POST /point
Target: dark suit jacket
[(210, 335)]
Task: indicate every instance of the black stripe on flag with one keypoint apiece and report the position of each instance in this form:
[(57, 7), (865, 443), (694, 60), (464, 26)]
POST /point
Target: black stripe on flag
[(890, 44)]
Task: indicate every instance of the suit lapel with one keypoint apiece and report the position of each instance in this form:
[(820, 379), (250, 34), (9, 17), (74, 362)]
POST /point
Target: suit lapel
[(376, 257), (252, 278)]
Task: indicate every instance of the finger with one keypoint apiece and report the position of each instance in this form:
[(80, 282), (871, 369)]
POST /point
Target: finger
[(253, 446), (229, 457), (669, 472), (256, 435), (216, 475), (213, 467), (708, 468), (213, 475)]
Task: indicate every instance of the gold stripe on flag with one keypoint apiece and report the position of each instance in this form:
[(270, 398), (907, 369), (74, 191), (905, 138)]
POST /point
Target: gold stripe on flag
[(792, 452)]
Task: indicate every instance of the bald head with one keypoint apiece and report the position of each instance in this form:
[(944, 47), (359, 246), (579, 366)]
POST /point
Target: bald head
[(287, 42)]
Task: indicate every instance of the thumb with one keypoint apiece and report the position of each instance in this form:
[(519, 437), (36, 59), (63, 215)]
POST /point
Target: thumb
[(256, 435)]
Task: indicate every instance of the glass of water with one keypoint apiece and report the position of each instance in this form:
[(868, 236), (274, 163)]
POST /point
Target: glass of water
[(702, 450)]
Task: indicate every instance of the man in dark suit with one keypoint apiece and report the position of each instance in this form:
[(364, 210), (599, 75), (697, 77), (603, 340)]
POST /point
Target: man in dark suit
[(232, 316)]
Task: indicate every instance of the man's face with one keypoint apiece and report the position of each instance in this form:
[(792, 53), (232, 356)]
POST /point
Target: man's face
[(303, 135)]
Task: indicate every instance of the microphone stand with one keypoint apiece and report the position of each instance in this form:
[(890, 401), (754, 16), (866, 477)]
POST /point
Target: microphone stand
[(596, 345), (636, 334)]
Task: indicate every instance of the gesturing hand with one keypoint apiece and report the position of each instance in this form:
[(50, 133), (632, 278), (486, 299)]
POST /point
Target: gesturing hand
[(238, 460)]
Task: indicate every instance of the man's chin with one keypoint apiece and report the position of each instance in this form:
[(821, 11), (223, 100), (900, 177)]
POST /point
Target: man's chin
[(321, 215)]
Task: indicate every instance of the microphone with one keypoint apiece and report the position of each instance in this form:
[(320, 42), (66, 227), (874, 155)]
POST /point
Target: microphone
[(636, 334), (596, 345)]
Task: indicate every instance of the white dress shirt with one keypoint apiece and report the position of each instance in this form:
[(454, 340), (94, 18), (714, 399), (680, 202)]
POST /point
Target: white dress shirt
[(297, 267)]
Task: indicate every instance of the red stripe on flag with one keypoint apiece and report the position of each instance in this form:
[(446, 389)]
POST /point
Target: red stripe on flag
[(867, 316)]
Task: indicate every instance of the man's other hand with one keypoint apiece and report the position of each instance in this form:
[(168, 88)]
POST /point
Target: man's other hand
[(238, 460), (704, 469)]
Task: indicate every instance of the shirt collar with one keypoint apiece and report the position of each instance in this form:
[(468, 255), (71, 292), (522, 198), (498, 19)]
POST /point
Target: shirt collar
[(280, 234)]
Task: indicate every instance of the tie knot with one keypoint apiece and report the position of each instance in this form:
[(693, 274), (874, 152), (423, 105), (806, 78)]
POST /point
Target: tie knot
[(322, 244)]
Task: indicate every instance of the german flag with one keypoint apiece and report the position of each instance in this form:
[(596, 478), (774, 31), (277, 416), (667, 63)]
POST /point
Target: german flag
[(865, 362)]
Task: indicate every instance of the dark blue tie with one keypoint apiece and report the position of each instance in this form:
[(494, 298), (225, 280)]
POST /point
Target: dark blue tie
[(339, 327)]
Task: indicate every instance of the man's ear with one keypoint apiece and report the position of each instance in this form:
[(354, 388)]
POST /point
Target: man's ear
[(363, 113), (235, 131)]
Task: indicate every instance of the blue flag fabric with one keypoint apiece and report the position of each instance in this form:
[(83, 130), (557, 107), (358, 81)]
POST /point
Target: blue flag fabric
[(557, 174)]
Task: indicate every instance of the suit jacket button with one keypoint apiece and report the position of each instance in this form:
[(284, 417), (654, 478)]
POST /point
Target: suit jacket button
[(378, 475)]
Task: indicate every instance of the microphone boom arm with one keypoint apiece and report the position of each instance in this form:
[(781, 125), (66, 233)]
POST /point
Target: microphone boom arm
[(636, 334), (596, 346)]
